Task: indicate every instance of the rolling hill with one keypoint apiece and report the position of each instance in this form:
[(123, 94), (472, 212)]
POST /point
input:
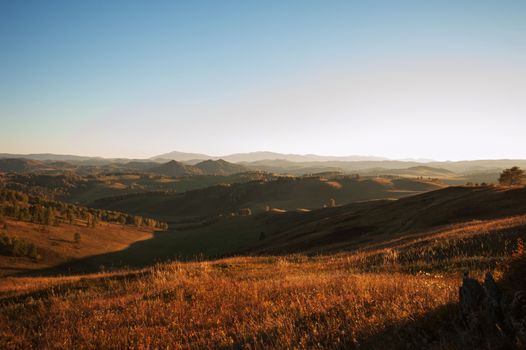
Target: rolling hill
[(207, 167), (358, 225), (220, 167), (397, 280), (284, 193), (17, 165), (176, 169), (56, 245), (448, 228)]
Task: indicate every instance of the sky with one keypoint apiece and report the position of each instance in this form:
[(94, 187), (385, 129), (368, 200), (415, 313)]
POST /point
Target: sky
[(443, 80)]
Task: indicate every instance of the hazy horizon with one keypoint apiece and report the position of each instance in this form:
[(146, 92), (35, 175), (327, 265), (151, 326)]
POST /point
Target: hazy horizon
[(438, 80), (218, 156)]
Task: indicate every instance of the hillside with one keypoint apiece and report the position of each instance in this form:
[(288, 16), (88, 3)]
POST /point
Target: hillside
[(395, 287), (450, 221), (16, 165), (220, 167), (450, 173), (207, 167), (420, 170), (176, 169), (284, 193), (37, 232), (390, 269), (85, 189), (357, 225), (56, 245)]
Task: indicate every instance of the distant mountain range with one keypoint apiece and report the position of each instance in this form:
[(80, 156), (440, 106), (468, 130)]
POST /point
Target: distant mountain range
[(69, 158), (258, 156), (207, 167), (186, 164), (194, 157)]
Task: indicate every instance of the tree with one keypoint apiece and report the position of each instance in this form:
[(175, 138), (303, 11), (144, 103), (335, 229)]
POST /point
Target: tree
[(70, 216), (89, 220), (49, 217), (137, 220), (511, 176)]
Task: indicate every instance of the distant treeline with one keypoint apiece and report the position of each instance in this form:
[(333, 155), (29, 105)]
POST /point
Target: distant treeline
[(21, 206)]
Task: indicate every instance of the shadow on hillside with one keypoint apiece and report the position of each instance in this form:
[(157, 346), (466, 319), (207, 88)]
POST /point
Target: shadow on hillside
[(71, 287), (333, 329), (322, 230), (161, 247)]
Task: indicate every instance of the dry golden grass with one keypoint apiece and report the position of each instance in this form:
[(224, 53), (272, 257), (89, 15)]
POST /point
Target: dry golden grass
[(473, 245), (292, 302), (399, 293), (56, 244)]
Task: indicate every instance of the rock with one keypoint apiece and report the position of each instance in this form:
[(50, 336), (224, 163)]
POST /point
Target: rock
[(492, 317), (517, 317), (492, 301), (471, 295)]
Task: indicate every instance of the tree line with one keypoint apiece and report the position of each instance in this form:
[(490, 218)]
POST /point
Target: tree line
[(21, 206)]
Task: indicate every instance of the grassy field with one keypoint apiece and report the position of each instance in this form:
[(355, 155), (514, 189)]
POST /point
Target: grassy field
[(236, 303), (398, 294), (393, 288)]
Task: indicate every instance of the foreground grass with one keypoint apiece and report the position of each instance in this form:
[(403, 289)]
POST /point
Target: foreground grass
[(236, 303), (398, 293)]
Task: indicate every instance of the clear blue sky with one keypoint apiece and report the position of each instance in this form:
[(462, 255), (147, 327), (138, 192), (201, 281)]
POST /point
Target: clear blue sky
[(429, 79)]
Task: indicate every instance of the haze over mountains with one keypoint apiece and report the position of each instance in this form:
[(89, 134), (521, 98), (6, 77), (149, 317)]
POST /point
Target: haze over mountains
[(279, 161), (185, 156), (207, 172), (257, 156)]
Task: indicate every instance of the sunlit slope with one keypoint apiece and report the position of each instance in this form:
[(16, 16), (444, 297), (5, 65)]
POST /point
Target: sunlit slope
[(57, 245), (237, 303)]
